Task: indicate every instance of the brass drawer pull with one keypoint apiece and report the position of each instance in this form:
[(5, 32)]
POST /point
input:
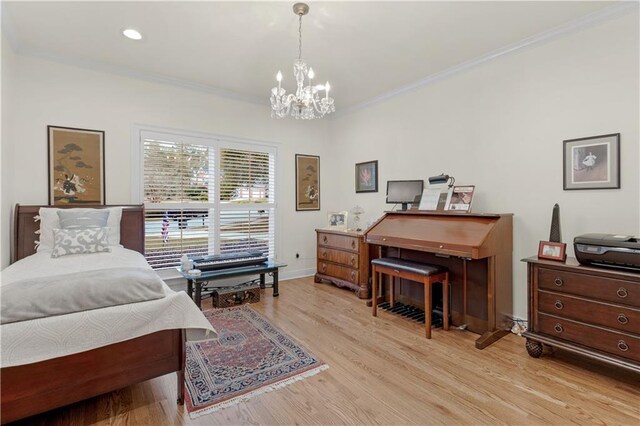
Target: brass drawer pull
[(558, 328), (622, 319), (558, 281), (622, 292), (558, 304), (324, 254), (353, 244), (622, 345), (324, 267), (325, 239), (353, 260), (353, 275)]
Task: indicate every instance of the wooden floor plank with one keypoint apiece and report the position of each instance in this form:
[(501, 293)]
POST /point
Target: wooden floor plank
[(383, 371)]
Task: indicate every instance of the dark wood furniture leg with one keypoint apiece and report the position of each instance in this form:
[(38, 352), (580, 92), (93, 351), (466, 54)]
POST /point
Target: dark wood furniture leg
[(180, 372), (198, 298), (374, 290), (190, 288), (262, 281), (275, 283)]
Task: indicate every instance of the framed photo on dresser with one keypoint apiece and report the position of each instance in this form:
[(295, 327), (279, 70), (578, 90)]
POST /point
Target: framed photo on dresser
[(552, 251)]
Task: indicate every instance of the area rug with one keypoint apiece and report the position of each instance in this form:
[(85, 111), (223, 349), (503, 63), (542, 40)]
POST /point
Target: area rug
[(250, 356)]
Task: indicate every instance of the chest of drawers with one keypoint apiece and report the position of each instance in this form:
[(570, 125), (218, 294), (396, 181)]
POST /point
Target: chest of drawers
[(594, 312), (343, 259)]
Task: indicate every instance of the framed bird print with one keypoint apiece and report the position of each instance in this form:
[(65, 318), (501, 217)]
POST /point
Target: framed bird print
[(367, 176)]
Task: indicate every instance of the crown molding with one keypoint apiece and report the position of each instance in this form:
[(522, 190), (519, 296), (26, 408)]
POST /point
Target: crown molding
[(570, 27)]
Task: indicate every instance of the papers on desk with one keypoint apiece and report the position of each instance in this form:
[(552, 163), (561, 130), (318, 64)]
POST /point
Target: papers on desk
[(433, 197)]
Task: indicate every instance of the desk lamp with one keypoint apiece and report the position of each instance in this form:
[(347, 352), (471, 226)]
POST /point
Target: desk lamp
[(442, 178)]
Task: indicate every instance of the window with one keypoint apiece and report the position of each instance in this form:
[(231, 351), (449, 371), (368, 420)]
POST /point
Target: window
[(206, 196)]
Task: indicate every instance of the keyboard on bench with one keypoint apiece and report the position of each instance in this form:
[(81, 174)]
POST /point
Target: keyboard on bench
[(231, 260)]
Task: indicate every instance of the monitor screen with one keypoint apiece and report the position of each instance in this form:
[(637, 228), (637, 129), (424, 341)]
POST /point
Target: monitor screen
[(403, 191)]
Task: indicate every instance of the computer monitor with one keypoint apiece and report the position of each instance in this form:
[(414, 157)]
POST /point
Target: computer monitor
[(404, 191)]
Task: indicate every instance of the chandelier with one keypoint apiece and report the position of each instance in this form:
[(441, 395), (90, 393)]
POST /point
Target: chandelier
[(308, 102)]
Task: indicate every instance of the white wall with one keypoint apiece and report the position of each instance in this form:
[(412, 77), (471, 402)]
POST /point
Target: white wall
[(6, 152), (58, 94), (500, 126)]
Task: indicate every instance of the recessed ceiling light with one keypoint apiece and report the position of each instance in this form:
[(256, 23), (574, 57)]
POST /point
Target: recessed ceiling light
[(132, 34)]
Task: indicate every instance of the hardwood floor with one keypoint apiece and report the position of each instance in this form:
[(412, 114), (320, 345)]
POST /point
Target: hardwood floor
[(383, 371)]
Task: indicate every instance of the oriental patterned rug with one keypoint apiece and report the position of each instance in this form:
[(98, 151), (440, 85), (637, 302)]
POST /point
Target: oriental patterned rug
[(250, 356)]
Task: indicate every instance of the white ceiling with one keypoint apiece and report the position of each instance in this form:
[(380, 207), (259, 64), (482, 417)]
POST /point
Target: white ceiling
[(365, 49)]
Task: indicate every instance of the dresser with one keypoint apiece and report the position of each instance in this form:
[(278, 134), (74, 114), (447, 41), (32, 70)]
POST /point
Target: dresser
[(343, 259), (591, 311)]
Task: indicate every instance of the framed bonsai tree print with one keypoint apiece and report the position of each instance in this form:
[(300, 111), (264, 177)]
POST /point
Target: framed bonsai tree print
[(307, 182)]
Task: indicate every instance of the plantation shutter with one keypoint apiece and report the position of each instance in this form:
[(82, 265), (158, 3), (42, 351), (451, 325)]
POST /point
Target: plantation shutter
[(196, 205)]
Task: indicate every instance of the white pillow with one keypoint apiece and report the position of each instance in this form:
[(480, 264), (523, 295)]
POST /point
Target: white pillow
[(49, 221)]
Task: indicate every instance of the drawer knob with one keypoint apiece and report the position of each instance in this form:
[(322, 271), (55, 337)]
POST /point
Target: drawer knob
[(353, 260), (622, 345), (622, 319), (325, 239), (324, 267), (324, 254), (353, 275), (558, 328), (558, 281), (558, 304), (353, 244), (622, 292)]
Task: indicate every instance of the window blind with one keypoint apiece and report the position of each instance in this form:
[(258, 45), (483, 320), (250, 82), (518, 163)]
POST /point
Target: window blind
[(206, 197)]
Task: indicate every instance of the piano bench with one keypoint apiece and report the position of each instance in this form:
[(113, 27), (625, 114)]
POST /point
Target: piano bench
[(414, 271)]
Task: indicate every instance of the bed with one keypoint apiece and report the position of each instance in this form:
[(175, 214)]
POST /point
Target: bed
[(54, 361)]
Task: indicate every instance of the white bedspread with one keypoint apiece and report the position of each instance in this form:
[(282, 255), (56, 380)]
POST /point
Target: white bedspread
[(36, 340)]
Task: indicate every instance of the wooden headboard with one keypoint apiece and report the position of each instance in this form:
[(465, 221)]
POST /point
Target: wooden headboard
[(131, 228)]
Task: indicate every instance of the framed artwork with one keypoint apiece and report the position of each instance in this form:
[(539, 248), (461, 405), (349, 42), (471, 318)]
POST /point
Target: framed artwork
[(592, 163), (307, 182), (337, 220), (367, 176), (76, 166), (552, 251)]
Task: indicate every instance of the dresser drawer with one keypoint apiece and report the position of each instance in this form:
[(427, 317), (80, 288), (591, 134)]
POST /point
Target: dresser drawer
[(613, 342), (605, 314), (590, 286), (338, 271), (337, 256), (344, 242)]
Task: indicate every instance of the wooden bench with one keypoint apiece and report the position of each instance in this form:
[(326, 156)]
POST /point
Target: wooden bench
[(414, 271)]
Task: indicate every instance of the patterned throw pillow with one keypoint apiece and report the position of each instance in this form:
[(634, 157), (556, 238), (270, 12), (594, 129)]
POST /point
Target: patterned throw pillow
[(82, 240), (85, 218)]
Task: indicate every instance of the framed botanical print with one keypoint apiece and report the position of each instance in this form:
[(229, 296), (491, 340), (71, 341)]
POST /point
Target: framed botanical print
[(307, 182), (367, 176), (76, 166), (592, 163)]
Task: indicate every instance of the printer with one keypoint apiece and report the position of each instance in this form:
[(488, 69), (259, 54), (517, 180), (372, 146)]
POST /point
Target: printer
[(620, 251)]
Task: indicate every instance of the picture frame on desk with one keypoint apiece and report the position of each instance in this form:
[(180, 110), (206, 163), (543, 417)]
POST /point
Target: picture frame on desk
[(552, 251)]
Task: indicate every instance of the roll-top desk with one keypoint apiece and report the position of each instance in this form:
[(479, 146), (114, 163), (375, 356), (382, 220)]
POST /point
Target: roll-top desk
[(591, 311), (343, 259), (477, 250)]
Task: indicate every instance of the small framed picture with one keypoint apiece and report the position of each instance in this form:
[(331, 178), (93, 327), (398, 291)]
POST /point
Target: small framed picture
[(367, 176), (337, 220), (552, 251), (592, 163), (307, 182)]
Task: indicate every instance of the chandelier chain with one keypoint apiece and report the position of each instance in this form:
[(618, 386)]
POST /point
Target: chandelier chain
[(299, 36)]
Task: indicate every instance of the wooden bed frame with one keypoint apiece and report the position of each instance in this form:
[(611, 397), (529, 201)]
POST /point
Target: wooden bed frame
[(35, 388)]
